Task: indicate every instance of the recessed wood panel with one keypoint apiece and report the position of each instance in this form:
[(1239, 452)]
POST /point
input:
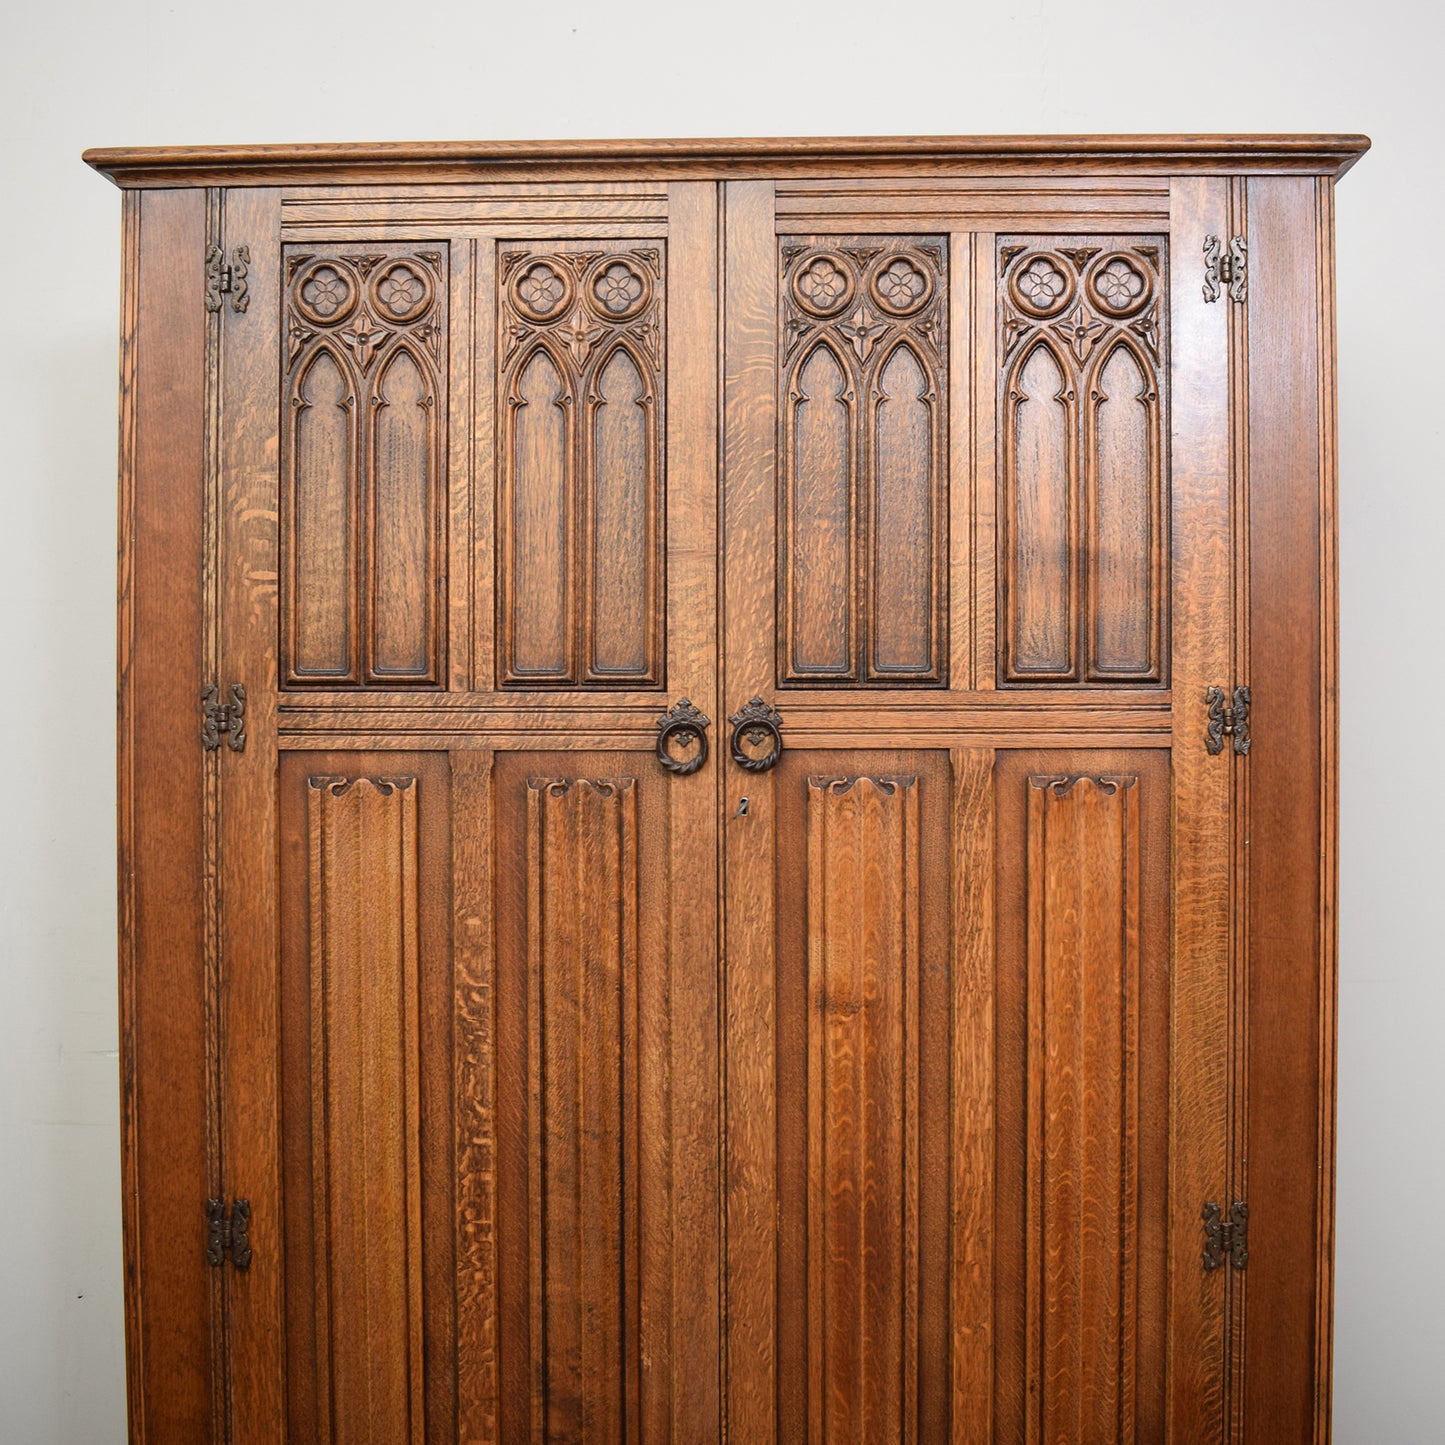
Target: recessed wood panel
[(324, 451), (582, 963), (1040, 470), (541, 408), (901, 507), (1083, 1107), (366, 1108), (862, 485), (580, 500), (859, 1017), (574, 1171), (624, 499), (403, 507), (362, 510), (1124, 449), (820, 517), (1082, 527), (863, 954)]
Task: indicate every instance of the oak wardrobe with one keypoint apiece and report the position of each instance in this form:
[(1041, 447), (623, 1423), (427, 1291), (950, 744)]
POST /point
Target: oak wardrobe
[(727, 791)]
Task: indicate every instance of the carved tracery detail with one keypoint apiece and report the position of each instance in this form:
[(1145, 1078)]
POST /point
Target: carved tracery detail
[(362, 465), (1083, 574), (580, 598), (862, 420)]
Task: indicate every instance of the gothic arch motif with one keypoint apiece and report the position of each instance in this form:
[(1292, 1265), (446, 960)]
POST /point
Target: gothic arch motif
[(1082, 527), (363, 513), (589, 485), (862, 483)]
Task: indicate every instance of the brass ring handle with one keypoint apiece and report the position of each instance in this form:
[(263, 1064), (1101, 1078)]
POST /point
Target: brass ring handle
[(757, 723), (683, 726)]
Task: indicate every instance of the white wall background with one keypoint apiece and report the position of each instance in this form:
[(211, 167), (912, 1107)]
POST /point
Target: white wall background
[(100, 73)]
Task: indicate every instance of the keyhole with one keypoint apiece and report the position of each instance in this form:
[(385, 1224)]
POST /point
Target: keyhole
[(742, 811)]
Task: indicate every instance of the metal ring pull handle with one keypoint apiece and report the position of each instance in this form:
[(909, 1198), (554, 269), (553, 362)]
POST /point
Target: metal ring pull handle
[(756, 724), (683, 726)]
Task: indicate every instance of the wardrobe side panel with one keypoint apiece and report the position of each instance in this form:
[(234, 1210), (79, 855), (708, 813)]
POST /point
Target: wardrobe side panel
[(165, 1172), (1290, 817)]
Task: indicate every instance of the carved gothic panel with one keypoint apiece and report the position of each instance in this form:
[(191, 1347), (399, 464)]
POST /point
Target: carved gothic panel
[(1083, 530), (363, 506), (1082, 1305), (862, 497), (580, 595)]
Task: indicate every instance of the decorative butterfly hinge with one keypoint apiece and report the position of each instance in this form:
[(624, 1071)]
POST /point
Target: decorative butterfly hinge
[(228, 1233), (1227, 722), (219, 717), (226, 273), (1226, 268), (1225, 1238)]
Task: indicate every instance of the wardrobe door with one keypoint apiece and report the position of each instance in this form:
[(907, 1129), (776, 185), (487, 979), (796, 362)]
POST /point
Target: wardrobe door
[(976, 900), (464, 979)]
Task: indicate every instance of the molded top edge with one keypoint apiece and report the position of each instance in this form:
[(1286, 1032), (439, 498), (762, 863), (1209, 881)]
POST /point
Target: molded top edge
[(471, 160)]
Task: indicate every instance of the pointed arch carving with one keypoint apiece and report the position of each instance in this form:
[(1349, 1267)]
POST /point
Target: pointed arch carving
[(1124, 506), (363, 509), (862, 481), (621, 503), (1040, 514), (1082, 529), (906, 517), (580, 579), (816, 525)]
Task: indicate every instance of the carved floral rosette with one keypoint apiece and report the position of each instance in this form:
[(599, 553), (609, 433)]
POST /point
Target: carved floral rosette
[(1080, 297), (362, 303), (862, 296), (577, 303)]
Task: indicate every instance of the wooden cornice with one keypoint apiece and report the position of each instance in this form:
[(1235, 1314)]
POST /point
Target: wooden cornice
[(462, 161)]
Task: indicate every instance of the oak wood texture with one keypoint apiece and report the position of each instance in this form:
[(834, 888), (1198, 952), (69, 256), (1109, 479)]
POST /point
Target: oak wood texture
[(365, 1048), (1291, 982), (581, 579), (243, 630), (872, 1097), (1082, 1004), (363, 519), (167, 1154), (862, 436), (863, 1010), (366, 1117), (1083, 1105), (1083, 528), (170, 166), (1205, 840)]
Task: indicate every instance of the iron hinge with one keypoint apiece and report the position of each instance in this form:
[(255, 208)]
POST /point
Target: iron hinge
[(223, 717), (1227, 722), (1225, 1238), (1226, 268), (226, 273), (228, 1233)]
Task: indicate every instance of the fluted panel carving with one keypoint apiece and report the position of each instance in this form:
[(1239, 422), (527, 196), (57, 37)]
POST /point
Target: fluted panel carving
[(363, 506), (1083, 526), (582, 892), (1083, 1108), (580, 596), (863, 988), (862, 480), (366, 1113)]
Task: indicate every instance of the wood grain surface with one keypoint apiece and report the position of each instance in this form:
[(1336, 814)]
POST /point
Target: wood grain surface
[(873, 1094)]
